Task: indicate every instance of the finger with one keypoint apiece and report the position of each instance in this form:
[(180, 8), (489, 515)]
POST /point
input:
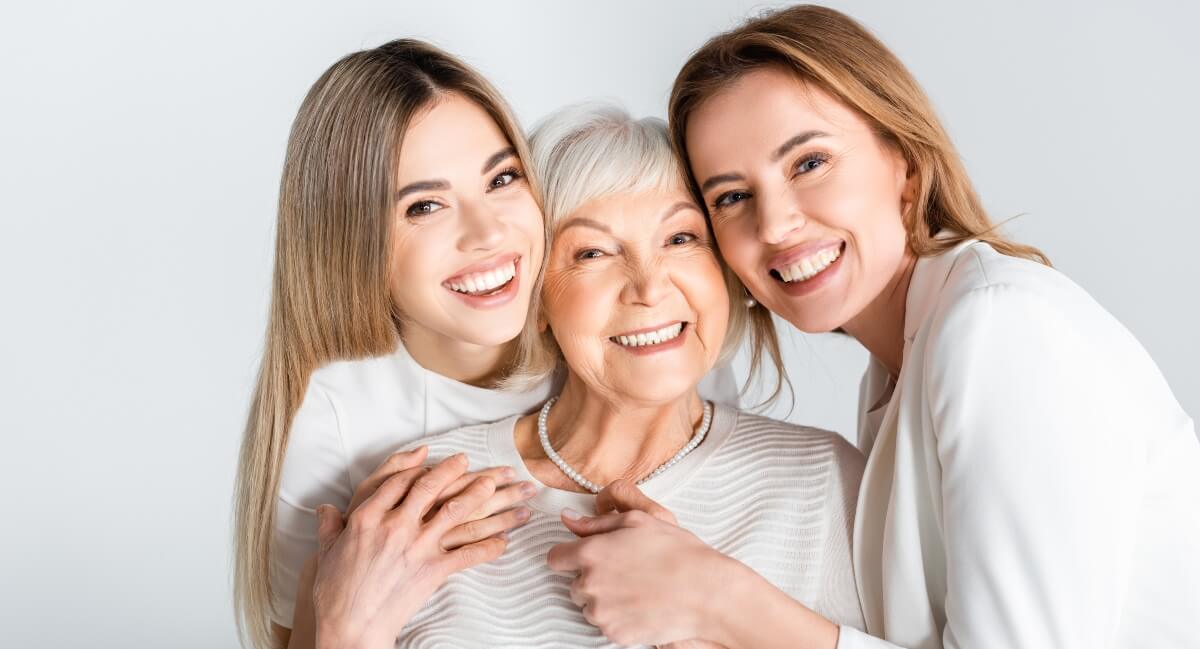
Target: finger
[(458, 509), (623, 495), (391, 494), (478, 530), (566, 557), (329, 526), (474, 554), (503, 476), (430, 485), (395, 463), (503, 499), (584, 526)]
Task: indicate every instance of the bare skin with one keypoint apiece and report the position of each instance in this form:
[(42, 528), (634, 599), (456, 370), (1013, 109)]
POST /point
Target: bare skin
[(786, 173), (463, 208)]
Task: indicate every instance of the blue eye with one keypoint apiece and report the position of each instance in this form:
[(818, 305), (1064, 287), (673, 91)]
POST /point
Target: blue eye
[(680, 238), (811, 163), (729, 198)]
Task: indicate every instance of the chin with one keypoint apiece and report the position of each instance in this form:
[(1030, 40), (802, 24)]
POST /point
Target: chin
[(661, 387)]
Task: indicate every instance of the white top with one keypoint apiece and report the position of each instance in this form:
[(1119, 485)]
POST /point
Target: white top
[(353, 415), (1031, 481), (776, 496)]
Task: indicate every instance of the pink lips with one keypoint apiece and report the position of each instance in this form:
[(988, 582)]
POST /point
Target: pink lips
[(483, 266), (796, 253)]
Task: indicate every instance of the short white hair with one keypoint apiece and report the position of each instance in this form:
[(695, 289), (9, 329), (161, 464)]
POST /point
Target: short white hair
[(593, 150)]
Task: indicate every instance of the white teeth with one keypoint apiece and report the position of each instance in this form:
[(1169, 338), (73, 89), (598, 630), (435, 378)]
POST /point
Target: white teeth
[(652, 338), (486, 281), (810, 266)]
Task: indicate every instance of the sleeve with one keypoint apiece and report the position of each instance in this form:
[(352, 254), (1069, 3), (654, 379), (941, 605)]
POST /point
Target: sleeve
[(838, 601), (315, 472), (1041, 470)]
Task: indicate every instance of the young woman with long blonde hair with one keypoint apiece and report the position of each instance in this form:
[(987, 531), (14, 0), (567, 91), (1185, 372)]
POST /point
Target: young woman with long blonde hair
[(1031, 481), (409, 244)]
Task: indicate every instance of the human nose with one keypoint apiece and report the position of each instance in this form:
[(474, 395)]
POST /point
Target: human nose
[(778, 217), (648, 282), (482, 228)]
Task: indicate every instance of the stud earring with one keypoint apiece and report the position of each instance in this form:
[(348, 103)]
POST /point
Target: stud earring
[(750, 301)]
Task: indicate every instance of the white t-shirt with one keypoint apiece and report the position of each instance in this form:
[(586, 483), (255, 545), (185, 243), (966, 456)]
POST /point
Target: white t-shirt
[(775, 496), (353, 415)]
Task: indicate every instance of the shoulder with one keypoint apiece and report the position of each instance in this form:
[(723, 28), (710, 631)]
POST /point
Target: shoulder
[(476, 441), (798, 445), (365, 376), (1014, 300)]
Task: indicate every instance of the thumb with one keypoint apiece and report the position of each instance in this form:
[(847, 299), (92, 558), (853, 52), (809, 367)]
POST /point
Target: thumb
[(329, 526), (623, 496), (584, 526)]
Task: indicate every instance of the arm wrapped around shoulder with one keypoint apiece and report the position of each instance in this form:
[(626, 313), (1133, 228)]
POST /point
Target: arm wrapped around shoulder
[(1039, 407)]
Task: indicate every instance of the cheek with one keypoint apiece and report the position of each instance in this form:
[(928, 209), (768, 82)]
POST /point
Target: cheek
[(409, 269), (740, 247), (705, 290), (576, 308)]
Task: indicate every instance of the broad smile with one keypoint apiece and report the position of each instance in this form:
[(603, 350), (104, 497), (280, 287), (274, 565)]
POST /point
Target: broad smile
[(807, 267), (487, 284), (652, 339)]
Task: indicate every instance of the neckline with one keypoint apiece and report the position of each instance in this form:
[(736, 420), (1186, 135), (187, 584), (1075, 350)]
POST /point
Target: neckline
[(446, 382), (552, 500)]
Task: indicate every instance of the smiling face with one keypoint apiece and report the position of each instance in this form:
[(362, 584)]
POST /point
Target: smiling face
[(634, 296), (468, 237), (804, 199)]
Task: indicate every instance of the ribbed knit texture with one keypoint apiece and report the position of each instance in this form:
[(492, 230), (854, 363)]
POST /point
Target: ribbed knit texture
[(778, 497)]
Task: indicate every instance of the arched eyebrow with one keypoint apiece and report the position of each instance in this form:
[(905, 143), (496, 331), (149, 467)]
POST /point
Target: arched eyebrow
[(421, 186), (779, 152), (498, 157)]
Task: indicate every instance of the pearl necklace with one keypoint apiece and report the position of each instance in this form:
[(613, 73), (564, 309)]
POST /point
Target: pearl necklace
[(571, 473)]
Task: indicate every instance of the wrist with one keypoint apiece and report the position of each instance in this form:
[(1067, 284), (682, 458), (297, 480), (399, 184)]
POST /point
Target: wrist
[(335, 635), (722, 616)]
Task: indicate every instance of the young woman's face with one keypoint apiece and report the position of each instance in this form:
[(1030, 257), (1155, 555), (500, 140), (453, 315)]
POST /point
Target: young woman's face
[(634, 295), (805, 200), (468, 238)]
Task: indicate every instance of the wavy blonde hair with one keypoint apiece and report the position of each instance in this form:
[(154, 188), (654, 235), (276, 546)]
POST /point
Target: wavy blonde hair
[(831, 51), (329, 296)]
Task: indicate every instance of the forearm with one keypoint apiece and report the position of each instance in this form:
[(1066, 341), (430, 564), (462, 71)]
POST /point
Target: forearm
[(753, 613)]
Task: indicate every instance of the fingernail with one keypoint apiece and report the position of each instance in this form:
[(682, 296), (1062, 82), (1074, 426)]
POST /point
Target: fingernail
[(503, 536), (523, 513), (571, 514), (461, 457), (509, 475), (528, 490)]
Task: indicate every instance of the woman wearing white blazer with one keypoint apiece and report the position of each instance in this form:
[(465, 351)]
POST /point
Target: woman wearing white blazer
[(1031, 481)]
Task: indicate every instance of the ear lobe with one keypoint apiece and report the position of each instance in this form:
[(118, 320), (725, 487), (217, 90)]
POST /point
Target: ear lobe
[(542, 323)]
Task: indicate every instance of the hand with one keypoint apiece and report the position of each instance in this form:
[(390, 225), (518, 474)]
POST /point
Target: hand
[(479, 524), (642, 578), (380, 565)]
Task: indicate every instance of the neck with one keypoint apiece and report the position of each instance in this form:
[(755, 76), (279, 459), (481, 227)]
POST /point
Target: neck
[(880, 326), (478, 365), (606, 438)]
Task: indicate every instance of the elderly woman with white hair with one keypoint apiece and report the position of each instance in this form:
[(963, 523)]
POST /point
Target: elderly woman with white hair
[(634, 304)]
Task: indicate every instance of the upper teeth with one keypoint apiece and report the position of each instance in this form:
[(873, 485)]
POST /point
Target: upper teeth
[(808, 267), (485, 281), (652, 338)]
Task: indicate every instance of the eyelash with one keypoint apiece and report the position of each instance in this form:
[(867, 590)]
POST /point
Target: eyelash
[(719, 202), (582, 255), (415, 210), (511, 171)]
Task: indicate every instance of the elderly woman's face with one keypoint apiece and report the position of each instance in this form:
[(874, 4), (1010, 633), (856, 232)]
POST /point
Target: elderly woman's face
[(634, 295)]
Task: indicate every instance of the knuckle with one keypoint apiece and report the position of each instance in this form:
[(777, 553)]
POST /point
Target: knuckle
[(637, 517), (454, 509), (425, 485)]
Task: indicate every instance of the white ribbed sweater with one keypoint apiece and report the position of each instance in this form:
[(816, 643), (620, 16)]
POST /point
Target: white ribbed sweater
[(777, 497)]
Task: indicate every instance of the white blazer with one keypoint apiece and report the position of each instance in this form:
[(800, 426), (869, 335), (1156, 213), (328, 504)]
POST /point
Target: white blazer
[(1031, 482)]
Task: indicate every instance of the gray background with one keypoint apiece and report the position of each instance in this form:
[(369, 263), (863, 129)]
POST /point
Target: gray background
[(140, 151)]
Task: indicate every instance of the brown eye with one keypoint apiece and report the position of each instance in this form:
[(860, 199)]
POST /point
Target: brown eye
[(422, 208), (504, 178)]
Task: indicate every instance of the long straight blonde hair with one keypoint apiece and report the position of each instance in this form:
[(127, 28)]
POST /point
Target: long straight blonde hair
[(329, 296), (831, 51)]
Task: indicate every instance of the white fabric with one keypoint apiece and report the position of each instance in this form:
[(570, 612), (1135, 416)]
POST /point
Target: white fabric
[(353, 415), (1032, 481), (776, 496)]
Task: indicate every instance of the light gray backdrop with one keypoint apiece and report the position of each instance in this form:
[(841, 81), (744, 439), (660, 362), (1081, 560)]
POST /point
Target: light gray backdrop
[(140, 156)]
